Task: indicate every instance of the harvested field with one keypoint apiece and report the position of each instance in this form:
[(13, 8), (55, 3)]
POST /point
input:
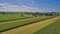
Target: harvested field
[(29, 29), (53, 28), (13, 24)]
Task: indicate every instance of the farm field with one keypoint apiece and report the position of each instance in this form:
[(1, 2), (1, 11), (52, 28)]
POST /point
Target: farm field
[(31, 28), (53, 28), (29, 16), (5, 17), (13, 24)]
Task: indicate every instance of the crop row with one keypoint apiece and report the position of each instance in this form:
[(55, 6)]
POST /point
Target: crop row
[(12, 25), (53, 28)]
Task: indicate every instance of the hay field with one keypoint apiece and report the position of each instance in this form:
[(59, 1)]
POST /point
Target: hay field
[(31, 28)]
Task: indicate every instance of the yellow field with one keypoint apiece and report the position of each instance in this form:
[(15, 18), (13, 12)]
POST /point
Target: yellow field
[(29, 29)]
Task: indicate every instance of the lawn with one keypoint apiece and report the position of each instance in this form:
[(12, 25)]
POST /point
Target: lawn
[(53, 28), (21, 23)]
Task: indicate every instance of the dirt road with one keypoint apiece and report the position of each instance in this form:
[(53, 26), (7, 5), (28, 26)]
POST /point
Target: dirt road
[(29, 29)]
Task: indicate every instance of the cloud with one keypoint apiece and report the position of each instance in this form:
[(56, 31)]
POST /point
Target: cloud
[(15, 8), (33, 1), (8, 7)]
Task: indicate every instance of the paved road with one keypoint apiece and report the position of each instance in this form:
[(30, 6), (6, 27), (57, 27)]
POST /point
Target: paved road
[(29, 29)]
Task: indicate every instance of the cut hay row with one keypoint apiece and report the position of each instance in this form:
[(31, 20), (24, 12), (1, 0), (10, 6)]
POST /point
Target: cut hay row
[(53, 28), (14, 20), (31, 28), (17, 23)]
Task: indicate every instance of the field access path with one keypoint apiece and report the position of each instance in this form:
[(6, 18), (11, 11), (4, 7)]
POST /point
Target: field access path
[(31, 28)]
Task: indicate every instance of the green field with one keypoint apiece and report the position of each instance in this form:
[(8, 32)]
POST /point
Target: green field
[(33, 27), (22, 22), (16, 21), (4, 17), (53, 28)]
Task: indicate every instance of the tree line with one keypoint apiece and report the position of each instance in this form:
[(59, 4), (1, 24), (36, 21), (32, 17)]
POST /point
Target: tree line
[(34, 13)]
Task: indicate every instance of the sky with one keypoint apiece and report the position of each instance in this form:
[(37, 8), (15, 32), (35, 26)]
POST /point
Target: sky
[(30, 5)]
